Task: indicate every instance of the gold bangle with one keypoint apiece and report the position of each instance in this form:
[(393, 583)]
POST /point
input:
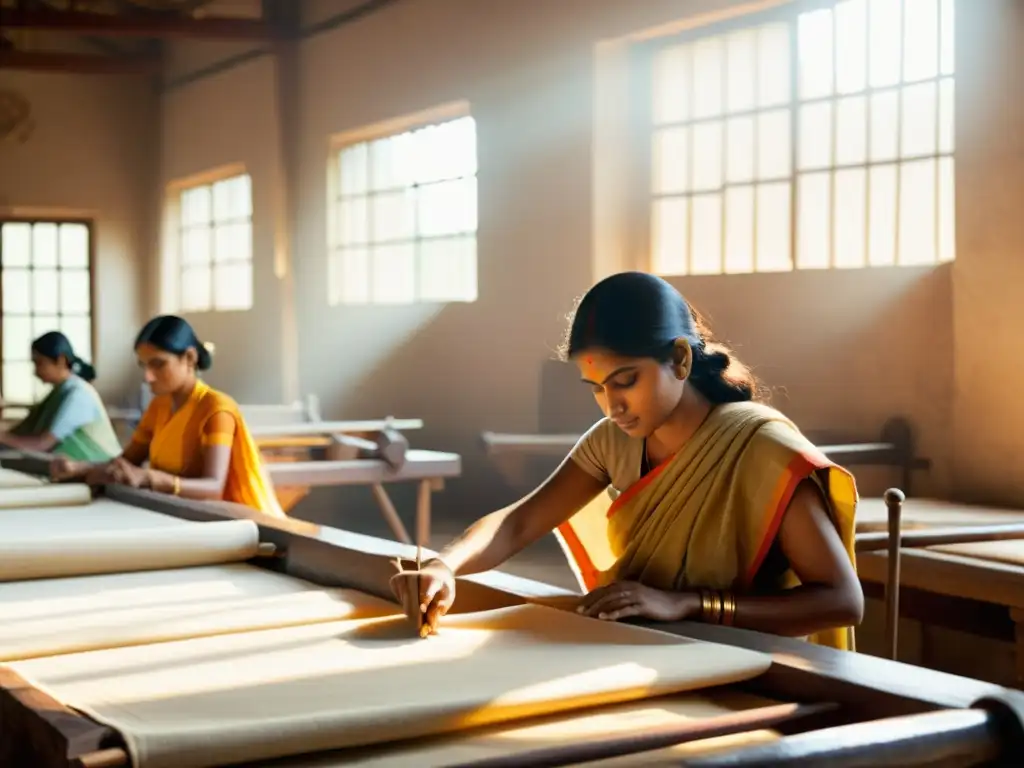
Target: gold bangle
[(177, 485), (718, 607), (728, 609)]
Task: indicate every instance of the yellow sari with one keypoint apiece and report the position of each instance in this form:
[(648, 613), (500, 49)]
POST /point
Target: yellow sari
[(708, 516), (175, 442)]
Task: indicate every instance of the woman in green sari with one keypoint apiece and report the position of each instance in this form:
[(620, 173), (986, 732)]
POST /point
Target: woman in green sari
[(71, 420)]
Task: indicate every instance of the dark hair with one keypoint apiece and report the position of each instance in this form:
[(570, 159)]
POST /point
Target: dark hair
[(173, 334), (636, 314), (55, 345)]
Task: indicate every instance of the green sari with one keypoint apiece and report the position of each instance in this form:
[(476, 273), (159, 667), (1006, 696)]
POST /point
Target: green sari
[(73, 412)]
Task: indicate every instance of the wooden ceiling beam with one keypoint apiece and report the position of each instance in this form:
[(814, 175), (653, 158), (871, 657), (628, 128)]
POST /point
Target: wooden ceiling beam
[(141, 25), (78, 63)]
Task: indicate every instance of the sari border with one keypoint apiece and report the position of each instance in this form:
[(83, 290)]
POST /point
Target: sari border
[(799, 469), (638, 486), (581, 561)]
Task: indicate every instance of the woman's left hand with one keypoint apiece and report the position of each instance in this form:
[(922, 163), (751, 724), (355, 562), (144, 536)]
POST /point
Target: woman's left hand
[(625, 599), (125, 473)]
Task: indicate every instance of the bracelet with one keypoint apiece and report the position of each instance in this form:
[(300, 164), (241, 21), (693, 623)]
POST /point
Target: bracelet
[(728, 608), (177, 485), (711, 606)]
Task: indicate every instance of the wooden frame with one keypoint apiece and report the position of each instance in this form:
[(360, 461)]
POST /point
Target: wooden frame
[(937, 716), (33, 217)]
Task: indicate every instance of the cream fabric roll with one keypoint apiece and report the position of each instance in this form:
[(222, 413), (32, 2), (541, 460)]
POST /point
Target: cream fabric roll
[(101, 515), (116, 610), (1010, 552), (133, 549), (57, 495), (236, 699), (561, 730), (10, 478)]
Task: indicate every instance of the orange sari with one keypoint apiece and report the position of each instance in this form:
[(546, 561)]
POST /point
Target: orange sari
[(175, 441), (708, 516)]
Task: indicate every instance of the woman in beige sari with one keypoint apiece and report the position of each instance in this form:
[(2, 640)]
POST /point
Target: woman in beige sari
[(689, 501)]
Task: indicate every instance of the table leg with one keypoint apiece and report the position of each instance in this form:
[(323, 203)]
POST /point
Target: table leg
[(390, 514)]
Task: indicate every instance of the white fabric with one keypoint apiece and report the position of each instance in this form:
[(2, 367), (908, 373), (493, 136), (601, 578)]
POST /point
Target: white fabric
[(245, 697), (10, 478), (59, 495), (52, 616)]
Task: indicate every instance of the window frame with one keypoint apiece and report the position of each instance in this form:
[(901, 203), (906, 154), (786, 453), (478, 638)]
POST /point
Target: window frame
[(337, 143), (172, 266), (32, 218), (642, 128)]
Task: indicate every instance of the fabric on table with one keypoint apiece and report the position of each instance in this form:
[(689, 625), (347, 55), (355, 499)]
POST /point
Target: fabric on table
[(58, 495)]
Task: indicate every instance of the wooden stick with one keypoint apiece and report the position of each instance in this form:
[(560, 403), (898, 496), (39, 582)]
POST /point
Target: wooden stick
[(653, 738), (104, 758), (894, 499), (875, 540)]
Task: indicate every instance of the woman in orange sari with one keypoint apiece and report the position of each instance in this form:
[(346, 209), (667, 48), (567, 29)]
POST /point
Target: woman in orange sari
[(689, 501), (193, 437)]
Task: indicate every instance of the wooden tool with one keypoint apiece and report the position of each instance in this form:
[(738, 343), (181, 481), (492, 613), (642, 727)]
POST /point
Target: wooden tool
[(420, 618)]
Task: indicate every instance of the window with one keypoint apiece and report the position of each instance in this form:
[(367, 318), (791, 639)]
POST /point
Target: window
[(214, 245), (405, 216), (46, 282), (821, 140)]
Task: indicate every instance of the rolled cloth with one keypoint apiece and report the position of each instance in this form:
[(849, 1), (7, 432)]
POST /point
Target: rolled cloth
[(57, 495), (240, 698), (70, 553), (10, 478)]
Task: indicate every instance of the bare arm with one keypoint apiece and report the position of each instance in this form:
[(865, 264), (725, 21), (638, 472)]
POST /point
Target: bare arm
[(493, 539), (829, 594), (216, 461), (43, 442)]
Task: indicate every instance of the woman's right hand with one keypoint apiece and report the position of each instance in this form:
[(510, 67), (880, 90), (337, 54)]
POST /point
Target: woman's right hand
[(63, 468), (431, 600)]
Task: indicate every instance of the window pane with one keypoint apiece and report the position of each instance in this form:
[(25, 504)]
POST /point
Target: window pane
[(815, 136), (814, 198), (920, 120), (393, 269), (884, 33), (773, 145), (232, 198), (196, 285), (670, 170), (851, 131), (850, 216), (672, 84), (947, 44), (353, 222), (353, 169), (739, 149), (773, 227), (17, 289), (18, 383), (232, 242), (920, 39), (947, 209), (448, 269), (739, 229), (773, 87), (17, 338), (814, 36), (741, 53), (196, 206), (707, 156), (947, 123), (707, 235), (392, 162), (79, 333), (350, 283), (882, 223), (44, 245), (851, 46), (44, 324), (884, 126), (446, 151), (917, 213), (447, 208), (74, 292), (669, 236), (195, 246), (232, 286), (708, 62), (393, 215), (74, 245), (16, 247)]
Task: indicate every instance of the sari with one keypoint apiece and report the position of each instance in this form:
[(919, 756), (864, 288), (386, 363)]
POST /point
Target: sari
[(74, 414), (175, 441), (708, 516)]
